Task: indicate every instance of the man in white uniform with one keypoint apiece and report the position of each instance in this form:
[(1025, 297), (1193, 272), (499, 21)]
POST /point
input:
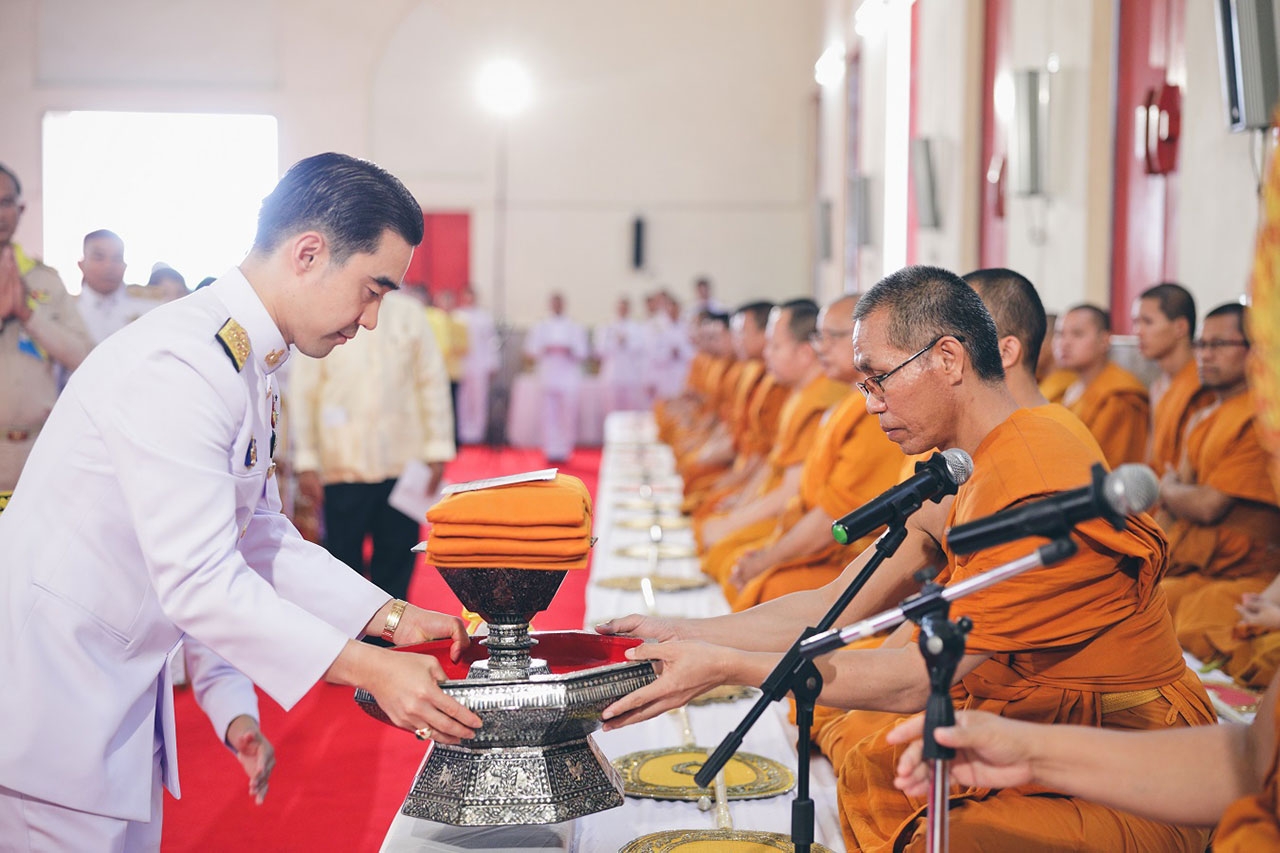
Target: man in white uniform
[(477, 369), (559, 346), (105, 304), (668, 351), (149, 511), (620, 346)]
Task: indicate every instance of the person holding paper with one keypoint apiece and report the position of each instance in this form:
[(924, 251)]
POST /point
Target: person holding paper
[(361, 416)]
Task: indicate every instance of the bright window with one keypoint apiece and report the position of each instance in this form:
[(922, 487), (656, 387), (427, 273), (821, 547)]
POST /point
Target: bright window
[(181, 188)]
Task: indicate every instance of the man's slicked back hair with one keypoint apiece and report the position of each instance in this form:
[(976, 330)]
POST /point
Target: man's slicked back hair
[(1014, 304), (352, 202), (923, 303)]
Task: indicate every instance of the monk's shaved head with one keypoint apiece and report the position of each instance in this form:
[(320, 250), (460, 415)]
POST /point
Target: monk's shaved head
[(1175, 302), (1016, 308), (923, 303), (1101, 319), (841, 310), (801, 318)]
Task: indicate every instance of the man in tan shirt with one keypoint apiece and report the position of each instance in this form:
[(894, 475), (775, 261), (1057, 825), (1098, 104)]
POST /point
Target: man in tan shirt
[(374, 405), (40, 329)]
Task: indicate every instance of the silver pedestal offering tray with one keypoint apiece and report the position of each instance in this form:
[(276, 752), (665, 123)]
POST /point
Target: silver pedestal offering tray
[(533, 761)]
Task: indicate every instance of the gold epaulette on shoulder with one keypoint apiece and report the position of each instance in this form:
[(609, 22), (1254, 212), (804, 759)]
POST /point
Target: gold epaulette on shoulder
[(235, 340)]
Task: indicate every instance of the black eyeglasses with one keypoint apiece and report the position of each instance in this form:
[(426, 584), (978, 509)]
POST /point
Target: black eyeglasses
[(874, 385), (1217, 345)]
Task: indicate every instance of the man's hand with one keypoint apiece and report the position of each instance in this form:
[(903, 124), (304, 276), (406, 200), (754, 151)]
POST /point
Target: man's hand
[(310, 487), (750, 565), (647, 627), (13, 295), (418, 626), (407, 689), (254, 752), (437, 474), (685, 670), (991, 751)]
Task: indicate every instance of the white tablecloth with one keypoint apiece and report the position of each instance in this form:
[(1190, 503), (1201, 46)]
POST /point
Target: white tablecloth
[(628, 457)]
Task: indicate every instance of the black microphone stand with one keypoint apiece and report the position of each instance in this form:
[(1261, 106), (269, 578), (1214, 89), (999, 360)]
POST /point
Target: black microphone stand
[(796, 674), (942, 646)]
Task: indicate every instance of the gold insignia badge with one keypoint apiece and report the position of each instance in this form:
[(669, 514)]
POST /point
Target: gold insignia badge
[(251, 455), (235, 341), (41, 296), (273, 357)]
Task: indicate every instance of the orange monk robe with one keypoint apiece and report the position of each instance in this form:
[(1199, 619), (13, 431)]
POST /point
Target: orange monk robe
[(698, 471), (667, 413), (764, 412), (1056, 384), (1087, 641), (1114, 408), (1252, 824), (1169, 418), (851, 462), (1223, 450), (797, 428), (1208, 626), (694, 428)]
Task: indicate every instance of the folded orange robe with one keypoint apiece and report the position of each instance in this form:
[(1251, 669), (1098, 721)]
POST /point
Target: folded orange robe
[(563, 502), (851, 462), (1087, 641), (1169, 418), (1251, 824), (1114, 407)]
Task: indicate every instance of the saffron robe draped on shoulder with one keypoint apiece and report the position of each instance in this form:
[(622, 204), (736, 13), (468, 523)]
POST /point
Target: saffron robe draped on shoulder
[(1088, 641), (1056, 384), (797, 427), (851, 462), (1169, 418), (1114, 407)]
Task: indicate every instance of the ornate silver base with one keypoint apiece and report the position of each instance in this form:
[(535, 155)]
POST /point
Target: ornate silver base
[(513, 785)]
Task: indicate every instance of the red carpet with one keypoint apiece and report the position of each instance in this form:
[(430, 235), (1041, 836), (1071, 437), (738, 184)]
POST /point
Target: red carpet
[(340, 776)]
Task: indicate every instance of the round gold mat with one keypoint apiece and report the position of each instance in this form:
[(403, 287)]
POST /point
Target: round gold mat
[(648, 505), (667, 774), (663, 551), (644, 522), (715, 841), (661, 583), (723, 693)]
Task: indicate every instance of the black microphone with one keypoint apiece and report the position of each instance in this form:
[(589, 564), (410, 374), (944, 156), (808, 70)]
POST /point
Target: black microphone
[(935, 478), (1128, 490)]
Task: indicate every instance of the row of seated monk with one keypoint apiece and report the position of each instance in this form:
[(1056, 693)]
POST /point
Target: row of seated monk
[(773, 444)]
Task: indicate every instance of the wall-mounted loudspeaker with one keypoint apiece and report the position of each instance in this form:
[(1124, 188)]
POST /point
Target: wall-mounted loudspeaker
[(637, 243), (1247, 48)]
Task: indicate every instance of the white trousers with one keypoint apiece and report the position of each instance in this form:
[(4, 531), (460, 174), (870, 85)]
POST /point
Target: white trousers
[(28, 825), (473, 407), (559, 420)]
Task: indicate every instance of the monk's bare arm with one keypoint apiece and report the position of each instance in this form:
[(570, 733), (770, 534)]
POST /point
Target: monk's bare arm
[(1201, 504), (809, 535), (774, 625)]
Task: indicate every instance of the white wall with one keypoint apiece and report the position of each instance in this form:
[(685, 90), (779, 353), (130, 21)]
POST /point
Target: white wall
[(697, 116)]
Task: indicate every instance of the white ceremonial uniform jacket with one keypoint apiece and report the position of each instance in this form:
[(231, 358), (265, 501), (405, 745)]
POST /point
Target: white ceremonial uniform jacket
[(557, 369), (147, 511), (105, 315), (622, 349)]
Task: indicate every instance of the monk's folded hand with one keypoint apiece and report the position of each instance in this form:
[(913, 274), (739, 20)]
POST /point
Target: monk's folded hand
[(254, 752), (749, 565), (418, 626), (406, 687), (991, 752), (1258, 611), (656, 628), (685, 670)]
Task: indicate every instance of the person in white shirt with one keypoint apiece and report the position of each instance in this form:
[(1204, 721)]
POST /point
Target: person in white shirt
[(621, 348), (149, 511), (477, 369), (105, 304), (359, 417), (668, 350), (559, 346)]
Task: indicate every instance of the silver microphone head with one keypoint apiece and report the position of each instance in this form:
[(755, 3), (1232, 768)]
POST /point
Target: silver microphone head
[(959, 465), (1131, 489)]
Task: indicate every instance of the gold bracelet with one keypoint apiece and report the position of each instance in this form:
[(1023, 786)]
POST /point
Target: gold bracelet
[(393, 620)]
